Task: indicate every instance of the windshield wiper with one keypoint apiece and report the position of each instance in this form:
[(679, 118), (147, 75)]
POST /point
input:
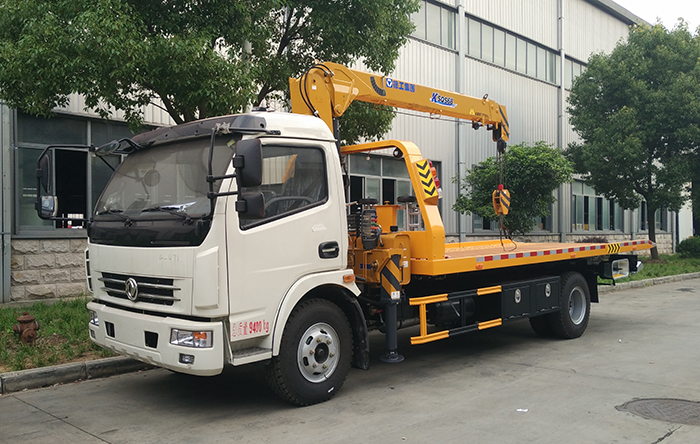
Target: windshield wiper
[(170, 210), (114, 212)]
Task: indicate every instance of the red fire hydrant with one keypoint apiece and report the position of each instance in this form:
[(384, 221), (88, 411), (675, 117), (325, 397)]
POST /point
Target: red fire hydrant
[(26, 328)]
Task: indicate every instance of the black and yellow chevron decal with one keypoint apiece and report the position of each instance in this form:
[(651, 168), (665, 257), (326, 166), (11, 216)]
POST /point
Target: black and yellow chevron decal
[(426, 179), (613, 248), (391, 279)]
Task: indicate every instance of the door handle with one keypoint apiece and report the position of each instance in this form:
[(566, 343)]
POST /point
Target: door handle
[(328, 250)]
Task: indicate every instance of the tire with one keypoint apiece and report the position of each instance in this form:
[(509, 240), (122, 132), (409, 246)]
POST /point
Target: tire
[(575, 301), (542, 325), (315, 354)]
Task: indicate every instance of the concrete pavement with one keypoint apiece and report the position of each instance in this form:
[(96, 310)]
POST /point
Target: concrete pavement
[(503, 385)]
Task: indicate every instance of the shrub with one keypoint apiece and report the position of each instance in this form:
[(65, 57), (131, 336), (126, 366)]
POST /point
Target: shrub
[(689, 247)]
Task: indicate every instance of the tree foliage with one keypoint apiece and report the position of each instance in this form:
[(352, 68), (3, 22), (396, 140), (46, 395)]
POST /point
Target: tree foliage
[(531, 173), (199, 57), (637, 111)]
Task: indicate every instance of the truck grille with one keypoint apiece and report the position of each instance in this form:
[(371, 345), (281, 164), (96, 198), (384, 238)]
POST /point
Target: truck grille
[(152, 290)]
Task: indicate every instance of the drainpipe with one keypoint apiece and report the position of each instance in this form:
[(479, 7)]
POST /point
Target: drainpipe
[(5, 201), (462, 220), (563, 198)]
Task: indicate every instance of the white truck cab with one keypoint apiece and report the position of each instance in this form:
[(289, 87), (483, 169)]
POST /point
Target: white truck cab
[(180, 286)]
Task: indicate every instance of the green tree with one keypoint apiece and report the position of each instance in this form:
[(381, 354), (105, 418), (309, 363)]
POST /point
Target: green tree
[(637, 112), (200, 58), (531, 173)]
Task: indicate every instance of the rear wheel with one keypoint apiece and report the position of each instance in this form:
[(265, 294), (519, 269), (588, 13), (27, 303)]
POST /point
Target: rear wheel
[(315, 354), (575, 301)]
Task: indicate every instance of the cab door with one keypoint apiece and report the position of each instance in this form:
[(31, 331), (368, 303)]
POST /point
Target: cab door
[(302, 232)]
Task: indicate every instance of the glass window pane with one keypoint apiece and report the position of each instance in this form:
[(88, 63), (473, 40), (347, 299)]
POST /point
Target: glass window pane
[(360, 164), (394, 168), (551, 67), (448, 28), (487, 43), (433, 23), (372, 188), (510, 51), (418, 18), (541, 63), (102, 133), (403, 188), (557, 70), (521, 56), (50, 131), (531, 59), (579, 212), (499, 43), (568, 68), (474, 38)]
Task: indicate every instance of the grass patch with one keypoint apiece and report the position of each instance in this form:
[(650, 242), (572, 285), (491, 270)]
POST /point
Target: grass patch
[(666, 265), (62, 337)]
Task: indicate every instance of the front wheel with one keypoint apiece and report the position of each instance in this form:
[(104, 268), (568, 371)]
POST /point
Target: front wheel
[(575, 301), (315, 354)]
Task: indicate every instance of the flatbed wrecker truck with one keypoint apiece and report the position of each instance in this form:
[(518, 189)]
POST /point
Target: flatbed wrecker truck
[(228, 241)]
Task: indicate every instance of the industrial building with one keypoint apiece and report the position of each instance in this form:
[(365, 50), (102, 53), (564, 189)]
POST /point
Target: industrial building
[(522, 53)]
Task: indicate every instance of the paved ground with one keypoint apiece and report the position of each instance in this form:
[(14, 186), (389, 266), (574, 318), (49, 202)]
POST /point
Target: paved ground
[(503, 385)]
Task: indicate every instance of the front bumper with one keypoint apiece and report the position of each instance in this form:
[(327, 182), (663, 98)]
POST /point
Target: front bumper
[(147, 338)]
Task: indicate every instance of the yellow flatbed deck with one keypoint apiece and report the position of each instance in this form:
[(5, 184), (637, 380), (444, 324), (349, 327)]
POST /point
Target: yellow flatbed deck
[(488, 255)]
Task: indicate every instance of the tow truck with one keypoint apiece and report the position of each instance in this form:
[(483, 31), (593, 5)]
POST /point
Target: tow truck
[(229, 241)]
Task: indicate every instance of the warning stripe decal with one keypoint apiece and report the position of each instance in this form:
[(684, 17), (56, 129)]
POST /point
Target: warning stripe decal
[(426, 178), (391, 282), (610, 249)]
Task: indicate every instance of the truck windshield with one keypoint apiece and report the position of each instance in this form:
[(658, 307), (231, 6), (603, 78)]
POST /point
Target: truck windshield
[(166, 181)]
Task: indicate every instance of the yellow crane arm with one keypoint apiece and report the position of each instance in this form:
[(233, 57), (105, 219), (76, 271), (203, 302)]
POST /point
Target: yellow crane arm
[(327, 89)]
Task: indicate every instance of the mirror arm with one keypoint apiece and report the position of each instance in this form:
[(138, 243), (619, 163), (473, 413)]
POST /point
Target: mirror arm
[(213, 195), (212, 179)]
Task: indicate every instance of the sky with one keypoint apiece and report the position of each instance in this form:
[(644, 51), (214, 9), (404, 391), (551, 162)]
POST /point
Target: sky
[(667, 10)]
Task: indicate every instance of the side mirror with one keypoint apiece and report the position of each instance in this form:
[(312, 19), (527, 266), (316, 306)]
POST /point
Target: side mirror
[(43, 172), (47, 207), (251, 205), (248, 163)]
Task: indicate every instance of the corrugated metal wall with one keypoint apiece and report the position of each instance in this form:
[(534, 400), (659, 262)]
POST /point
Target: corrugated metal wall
[(533, 105), (534, 19), (154, 114), (588, 30)]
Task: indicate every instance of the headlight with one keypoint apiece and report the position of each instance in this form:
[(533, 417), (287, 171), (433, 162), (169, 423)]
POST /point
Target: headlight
[(94, 320), (196, 339)]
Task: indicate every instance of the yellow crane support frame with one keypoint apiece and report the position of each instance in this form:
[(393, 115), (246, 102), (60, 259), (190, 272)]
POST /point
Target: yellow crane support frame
[(327, 89)]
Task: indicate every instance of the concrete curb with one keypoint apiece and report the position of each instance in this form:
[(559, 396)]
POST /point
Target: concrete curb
[(646, 282), (60, 374)]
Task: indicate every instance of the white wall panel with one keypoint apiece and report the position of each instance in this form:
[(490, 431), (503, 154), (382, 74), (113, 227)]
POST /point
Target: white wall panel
[(534, 19), (153, 115), (589, 30)]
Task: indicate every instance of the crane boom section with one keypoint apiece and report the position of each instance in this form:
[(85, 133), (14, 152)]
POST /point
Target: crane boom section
[(326, 90)]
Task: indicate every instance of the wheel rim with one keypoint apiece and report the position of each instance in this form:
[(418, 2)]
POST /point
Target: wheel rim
[(317, 354), (577, 305)]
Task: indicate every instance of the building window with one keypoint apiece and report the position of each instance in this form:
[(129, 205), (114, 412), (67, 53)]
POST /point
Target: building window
[(377, 177), (77, 178), (660, 218), (593, 213), (435, 24), (503, 48)]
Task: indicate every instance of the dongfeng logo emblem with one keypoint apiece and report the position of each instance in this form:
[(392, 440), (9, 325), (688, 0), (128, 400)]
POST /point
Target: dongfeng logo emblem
[(132, 289)]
